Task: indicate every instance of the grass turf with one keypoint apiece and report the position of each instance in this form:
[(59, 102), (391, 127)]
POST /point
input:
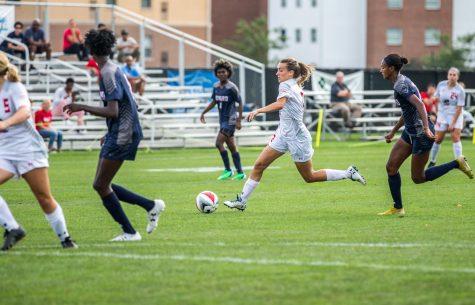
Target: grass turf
[(296, 243)]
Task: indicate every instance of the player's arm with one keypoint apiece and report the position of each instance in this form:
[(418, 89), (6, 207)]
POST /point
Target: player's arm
[(458, 110), (110, 111), (416, 102), (239, 118), (275, 106), (208, 108), (395, 129), (21, 115)]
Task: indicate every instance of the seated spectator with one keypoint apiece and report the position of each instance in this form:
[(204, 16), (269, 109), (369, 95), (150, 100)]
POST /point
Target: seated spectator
[(64, 96), (430, 102), (134, 76), (17, 35), (101, 26), (339, 98), (36, 41), (73, 42), (127, 46), (43, 118), (92, 67)]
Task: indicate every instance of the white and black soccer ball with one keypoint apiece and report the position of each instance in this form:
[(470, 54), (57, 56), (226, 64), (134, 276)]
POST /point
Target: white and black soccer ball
[(207, 202)]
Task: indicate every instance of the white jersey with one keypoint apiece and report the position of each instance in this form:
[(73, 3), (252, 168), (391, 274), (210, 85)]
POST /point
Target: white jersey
[(59, 95), (291, 116), (19, 142), (449, 99)]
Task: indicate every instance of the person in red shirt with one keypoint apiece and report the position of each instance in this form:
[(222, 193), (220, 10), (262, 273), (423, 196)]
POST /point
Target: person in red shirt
[(92, 67), (43, 118), (73, 42), (429, 101)]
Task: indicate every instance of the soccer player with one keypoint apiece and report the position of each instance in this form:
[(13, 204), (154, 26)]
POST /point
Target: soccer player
[(292, 135), (451, 99), (416, 139), (23, 154), (122, 139), (226, 96)]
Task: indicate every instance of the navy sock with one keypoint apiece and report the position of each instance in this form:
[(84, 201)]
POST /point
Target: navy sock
[(112, 204), (127, 196), (237, 161), (224, 156), (436, 171), (395, 187)]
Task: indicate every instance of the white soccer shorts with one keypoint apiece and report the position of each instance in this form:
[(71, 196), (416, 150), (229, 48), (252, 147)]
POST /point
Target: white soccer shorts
[(443, 122), (300, 146), (19, 168)]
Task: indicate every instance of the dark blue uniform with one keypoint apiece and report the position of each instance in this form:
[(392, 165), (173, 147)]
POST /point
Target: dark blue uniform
[(413, 133), (227, 97), (123, 133)]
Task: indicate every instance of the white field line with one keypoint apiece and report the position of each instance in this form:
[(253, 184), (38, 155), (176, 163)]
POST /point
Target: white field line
[(198, 169), (247, 261)]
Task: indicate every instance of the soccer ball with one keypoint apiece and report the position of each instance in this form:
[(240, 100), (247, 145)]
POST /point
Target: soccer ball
[(207, 202)]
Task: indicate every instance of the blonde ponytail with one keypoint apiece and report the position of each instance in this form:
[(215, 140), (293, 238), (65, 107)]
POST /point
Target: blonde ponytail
[(302, 71), (8, 70), (12, 74)]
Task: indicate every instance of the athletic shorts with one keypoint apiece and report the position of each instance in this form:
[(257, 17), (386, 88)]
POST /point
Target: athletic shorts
[(19, 168), (113, 151), (443, 122), (300, 146), (227, 130), (420, 143)]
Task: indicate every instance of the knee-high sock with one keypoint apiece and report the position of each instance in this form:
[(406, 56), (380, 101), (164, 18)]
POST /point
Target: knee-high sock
[(127, 196), (6, 218), (457, 146), (237, 161), (112, 204), (434, 152), (224, 156), (395, 188), (248, 188), (438, 171), (336, 174), (58, 223)]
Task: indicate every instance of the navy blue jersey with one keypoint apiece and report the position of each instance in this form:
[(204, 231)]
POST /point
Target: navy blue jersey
[(404, 88), (226, 97), (113, 85)]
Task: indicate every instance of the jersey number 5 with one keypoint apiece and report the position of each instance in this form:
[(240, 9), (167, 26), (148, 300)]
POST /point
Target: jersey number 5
[(6, 105)]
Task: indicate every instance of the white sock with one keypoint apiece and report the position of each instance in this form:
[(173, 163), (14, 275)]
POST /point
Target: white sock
[(6, 218), (248, 188), (57, 222), (434, 152), (457, 149), (336, 174)]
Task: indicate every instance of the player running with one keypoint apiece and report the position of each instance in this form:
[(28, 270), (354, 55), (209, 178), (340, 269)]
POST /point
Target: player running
[(122, 139), (291, 135), (23, 154), (416, 139), (226, 96), (451, 99)]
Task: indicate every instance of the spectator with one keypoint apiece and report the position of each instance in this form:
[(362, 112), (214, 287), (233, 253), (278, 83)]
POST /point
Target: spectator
[(92, 67), (340, 96), (64, 96), (17, 35), (36, 41), (101, 26), (134, 76), (430, 102), (127, 46), (43, 118), (73, 42)]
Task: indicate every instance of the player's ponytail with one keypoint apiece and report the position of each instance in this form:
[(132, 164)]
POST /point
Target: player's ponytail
[(12, 74), (396, 61), (302, 72), (8, 70)]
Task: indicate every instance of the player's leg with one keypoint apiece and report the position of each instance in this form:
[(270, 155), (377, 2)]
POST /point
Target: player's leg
[(231, 143), (310, 175), (456, 143), (38, 180), (106, 170), (220, 140), (440, 129)]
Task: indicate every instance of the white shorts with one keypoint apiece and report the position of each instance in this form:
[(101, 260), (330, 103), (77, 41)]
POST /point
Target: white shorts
[(443, 122), (300, 146), (18, 168)]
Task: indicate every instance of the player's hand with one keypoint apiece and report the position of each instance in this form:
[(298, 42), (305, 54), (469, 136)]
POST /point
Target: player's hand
[(73, 107), (3, 126), (389, 137), (429, 133), (202, 119), (238, 125), (450, 128), (252, 115)]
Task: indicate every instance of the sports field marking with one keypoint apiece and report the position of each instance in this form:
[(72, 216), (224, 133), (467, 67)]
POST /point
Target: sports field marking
[(247, 261), (198, 169)]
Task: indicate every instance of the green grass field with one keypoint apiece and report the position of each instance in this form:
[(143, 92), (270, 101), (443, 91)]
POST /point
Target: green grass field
[(296, 243)]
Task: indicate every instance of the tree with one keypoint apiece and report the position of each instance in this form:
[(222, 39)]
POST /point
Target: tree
[(252, 39), (459, 54)]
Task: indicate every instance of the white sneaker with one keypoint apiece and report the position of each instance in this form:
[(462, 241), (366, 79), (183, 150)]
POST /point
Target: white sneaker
[(154, 214), (127, 237), (353, 174), (236, 204)]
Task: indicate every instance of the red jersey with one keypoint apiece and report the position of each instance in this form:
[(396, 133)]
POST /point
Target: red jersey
[(44, 118), (429, 107), (69, 32)]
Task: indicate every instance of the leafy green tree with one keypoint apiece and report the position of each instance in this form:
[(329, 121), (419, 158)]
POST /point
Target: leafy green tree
[(458, 54)]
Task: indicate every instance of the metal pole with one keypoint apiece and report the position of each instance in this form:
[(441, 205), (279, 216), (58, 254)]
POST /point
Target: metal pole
[(242, 80), (46, 22), (113, 18), (142, 44), (181, 62), (263, 90), (96, 16)]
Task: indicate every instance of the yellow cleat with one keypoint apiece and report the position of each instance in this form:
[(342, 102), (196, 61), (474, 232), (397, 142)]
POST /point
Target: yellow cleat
[(464, 167), (393, 211)]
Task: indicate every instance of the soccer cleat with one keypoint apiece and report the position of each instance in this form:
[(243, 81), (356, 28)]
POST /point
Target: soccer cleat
[(239, 176), (127, 237), (353, 173), (154, 214), (393, 211), (12, 237), (431, 164), (464, 167), (236, 204), (226, 175), (68, 243)]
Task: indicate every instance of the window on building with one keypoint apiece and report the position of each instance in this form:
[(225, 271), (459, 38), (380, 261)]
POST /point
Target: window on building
[(164, 10), (395, 4), (148, 43), (393, 37), (432, 37), (432, 5), (298, 35), (314, 3), (298, 3), (164, 59), (283, 3), (313, 35), (146, 3), (113, 2), (283, 35)]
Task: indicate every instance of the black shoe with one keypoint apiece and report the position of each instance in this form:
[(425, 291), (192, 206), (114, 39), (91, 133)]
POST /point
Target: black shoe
[(12, 237), (431, 164), (68, 243)]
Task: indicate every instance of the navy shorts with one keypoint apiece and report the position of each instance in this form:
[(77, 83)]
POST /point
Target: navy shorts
[(113, 151), (420, 143), (227, 130)]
